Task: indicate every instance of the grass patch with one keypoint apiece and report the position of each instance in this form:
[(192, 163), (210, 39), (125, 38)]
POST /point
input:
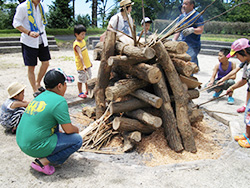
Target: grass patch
[(221, 37), (66, 58)]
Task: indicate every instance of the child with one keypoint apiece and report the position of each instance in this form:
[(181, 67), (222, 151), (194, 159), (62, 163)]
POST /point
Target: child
[(38, 131), (222, 69), (147, 27), (221, 81), (241, 49), (14, 107), (83, 64)]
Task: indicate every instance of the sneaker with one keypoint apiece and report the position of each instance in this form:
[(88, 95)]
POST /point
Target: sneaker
[(82, 95), (230, 100), (217, 94), (241, 109)]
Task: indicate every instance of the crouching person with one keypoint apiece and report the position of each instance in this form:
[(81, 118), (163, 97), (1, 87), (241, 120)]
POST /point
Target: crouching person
[(38, 132)]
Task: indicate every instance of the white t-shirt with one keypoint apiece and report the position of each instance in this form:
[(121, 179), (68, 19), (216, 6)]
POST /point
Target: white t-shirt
[(118, 23)]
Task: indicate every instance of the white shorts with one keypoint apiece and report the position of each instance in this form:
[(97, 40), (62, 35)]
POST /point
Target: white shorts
[(84, 76)]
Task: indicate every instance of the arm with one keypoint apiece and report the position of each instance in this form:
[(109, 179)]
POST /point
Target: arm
[(211, 81), (233, 68), (231, 73), (69, 128), (176, 36), (199, 30), (240, 83), (78, 50), (17, 104)]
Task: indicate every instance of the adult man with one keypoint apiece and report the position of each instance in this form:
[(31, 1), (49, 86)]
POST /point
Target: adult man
[(191, 35), (30, 20)]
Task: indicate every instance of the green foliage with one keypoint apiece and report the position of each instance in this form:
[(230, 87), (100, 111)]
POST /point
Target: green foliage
[(70, 31), (7, 12), (60, 14)]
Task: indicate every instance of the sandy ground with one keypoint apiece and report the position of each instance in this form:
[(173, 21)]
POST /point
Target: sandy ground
[(230, 170)]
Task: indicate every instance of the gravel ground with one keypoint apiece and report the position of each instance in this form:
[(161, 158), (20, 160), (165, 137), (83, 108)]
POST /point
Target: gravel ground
[(89, 170)]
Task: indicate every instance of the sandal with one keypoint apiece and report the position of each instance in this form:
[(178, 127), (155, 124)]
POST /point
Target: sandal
[(36, 94), (244, 143), (241, 137), (82, 95), (47, 169), (42, 89)]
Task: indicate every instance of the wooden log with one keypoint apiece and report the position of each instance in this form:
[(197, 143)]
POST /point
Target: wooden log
[(89, 111), (180, 96), (194, 114), (183, 67), (126, 124), (178, 47), (130, 139), (184, 56), (104, 73), (193, 94), (91, 85), (97, 54), (129, 105), (123, 87), (168, 117), (145, 118), (133, 51), (124, 60), (142, 71), (99, 45), (147, 97)]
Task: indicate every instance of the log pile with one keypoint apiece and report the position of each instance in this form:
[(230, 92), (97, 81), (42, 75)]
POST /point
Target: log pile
[(144, 89)]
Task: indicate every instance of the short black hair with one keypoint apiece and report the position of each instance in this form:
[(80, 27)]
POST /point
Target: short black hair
[(79, 28), (225, 51), (52, 78)]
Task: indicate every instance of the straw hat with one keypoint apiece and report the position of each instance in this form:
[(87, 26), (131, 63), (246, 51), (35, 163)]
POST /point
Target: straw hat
[(125, 3), (15, 88)]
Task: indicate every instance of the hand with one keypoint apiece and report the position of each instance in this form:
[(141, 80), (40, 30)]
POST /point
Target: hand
[(220, 82), (229, 90), (188, 31), (34, 34)]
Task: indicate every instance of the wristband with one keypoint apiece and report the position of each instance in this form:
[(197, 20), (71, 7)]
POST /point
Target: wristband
[(29, 33), (231, 89)]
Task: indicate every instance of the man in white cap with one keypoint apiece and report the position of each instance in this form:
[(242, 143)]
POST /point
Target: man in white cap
[(119, 21)]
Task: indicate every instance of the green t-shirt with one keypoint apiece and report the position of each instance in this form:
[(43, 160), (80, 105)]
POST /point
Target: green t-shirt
[(35, 133)]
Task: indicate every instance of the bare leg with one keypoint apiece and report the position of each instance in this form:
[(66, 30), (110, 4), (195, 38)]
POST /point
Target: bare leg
[(41, 73), (248, 97), (32, 77), (86, 85), (248, 131), (79, 85)]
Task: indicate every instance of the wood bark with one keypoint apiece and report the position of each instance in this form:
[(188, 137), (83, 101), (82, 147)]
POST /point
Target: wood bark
[(129, 105), (89, 111), (97, 54), (124, 60), (130, 139), (126, 124), (133, 51), (104, 73), (184, 56), (147, 97), (146, 118), (180, 96), (123, 87), (183, 67), (143, 71), (178, 47), (168, 117)]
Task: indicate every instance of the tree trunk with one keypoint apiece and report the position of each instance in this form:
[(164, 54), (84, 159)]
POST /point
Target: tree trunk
[(124, 60), (133, 51), (104, 73), (97, 54), (183, 67), (145, 118), (178, 47), (123, 87), (143, 71), (126, 124), (180, 96), (130, 139), (147, 97), (125, 106), (184, 56), (168, 117)]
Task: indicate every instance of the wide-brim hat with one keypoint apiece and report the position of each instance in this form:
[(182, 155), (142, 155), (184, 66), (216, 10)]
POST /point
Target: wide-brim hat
[(238, 45), (15, 88), (125, 3)]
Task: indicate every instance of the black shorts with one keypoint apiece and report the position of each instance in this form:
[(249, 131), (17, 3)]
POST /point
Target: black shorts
[(30, 55)]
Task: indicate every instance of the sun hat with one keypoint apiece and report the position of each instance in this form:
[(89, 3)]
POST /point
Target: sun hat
[(15, 88), (125, 3), (238, 45), (147, 20)]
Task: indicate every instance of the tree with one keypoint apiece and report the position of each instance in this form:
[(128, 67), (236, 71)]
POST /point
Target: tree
[(94, 12), (60, 14), (7, 12)]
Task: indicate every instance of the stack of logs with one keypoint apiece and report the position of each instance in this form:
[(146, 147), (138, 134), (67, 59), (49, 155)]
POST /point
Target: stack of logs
[(143, 83)]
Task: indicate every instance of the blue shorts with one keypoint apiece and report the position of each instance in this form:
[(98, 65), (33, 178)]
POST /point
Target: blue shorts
[(30, 55)]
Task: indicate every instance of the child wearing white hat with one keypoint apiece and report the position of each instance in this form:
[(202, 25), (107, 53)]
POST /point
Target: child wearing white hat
[(13, 108)]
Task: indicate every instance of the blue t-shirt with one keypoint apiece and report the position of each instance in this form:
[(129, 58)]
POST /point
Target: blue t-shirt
[(192, 40)]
